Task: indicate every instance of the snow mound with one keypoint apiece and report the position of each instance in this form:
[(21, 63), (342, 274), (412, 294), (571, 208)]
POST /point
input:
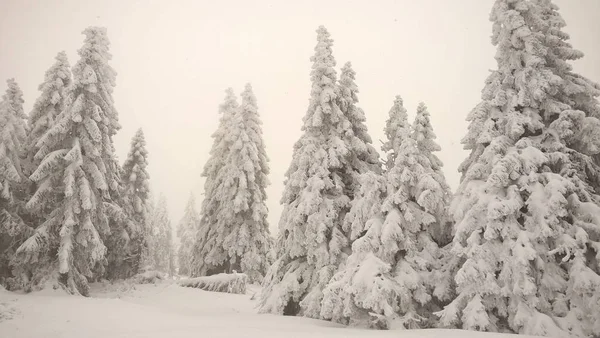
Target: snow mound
[(223, 282), (8, 309), (148, 277)]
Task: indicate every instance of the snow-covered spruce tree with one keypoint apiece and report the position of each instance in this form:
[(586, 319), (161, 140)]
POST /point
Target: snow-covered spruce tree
[(45, 110), (526, 211), (361, 266), (164, 255), (205, 239), (320, 182), (186, 231), (241, 231), (13, 231), (387, 280), (47, 107), (13, 134), (435, 181), (77, 159), (127, 247), (364, 157)]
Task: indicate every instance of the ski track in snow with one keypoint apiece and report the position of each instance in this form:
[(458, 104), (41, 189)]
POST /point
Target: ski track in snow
[(168, 310)]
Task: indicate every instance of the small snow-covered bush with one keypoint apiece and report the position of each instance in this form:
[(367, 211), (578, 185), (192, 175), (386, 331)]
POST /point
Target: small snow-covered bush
[(223, 282), (148, 277)]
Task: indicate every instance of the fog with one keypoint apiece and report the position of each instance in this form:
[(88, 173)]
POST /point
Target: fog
[(175, 59)]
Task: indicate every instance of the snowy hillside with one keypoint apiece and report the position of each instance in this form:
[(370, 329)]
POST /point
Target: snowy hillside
[(168, 310)]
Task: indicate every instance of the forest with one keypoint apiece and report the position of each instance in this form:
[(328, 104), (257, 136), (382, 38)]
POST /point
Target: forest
[(367, 237)]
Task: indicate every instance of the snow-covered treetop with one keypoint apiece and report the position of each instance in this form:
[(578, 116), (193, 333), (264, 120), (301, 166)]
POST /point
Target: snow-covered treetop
[(187, 223), (13, 99), (423, 131), (161, 214), (249, 111), (135, 178), (248, 108), (227, 109), (190, 208), (323, 78), (425, 137), (48, 105), (348, 88), (12, 123), (248, 99), (397, 129), (13, 115), (230, 103), (57, 79), (136, 163), (359, 138), (533, 81), (93, 73)]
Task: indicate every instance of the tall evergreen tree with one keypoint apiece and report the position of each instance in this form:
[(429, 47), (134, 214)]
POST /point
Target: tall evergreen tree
[(77, 157), (386, 280), (204, 241), (364, 159), (241, 227), (186, 232), (320, 183), (136, 194), (126, 245), (434, 182), (526, 209), (13, 230), (164, 255), (47, 107)]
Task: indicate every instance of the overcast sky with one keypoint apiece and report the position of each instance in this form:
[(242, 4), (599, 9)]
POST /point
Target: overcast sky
[(175, 59)]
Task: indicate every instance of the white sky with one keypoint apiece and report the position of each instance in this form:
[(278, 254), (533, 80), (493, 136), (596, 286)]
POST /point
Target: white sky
[(175, 58)]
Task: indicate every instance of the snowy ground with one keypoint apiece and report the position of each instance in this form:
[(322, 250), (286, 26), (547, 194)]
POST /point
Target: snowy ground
[(168, 311)]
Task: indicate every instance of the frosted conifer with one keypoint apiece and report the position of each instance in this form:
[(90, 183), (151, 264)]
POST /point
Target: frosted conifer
[(47, 107), (12, 136), (210, 204), (364, 155), (527, 230), (77, 157), (186, 232), (127, 246), (163, 252), (386, 280), (320, 182), (50, 103), (13, 230), (147, 255), (433, 193), (241, 227)]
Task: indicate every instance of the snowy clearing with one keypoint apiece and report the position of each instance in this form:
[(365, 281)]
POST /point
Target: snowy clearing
[(168, 310)]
